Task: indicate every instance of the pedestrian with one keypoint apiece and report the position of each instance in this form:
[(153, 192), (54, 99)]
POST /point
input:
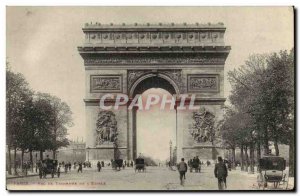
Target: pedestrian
[(221, 173), (66, 168), (182, 168), (99, 166), (229, 164), (79, 168)]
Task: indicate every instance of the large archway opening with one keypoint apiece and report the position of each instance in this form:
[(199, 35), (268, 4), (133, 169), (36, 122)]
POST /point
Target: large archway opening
[(155, 130)]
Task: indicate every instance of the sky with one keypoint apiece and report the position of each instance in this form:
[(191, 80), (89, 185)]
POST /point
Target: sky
[(158, 137), (41, 42)]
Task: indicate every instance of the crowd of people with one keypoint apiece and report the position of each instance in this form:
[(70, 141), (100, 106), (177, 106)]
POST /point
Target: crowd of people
[(220, 170), (77, 165), (67, 166)]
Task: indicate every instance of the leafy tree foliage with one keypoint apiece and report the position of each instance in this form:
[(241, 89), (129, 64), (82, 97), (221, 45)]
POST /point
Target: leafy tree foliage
[(35, 121), (262, 101)]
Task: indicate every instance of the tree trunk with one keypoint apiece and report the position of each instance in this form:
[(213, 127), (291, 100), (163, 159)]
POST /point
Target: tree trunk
[(31, 160), (213, 151), (41, 155), (233, 158), (276, 146), (15, 161), (292, 156), (53, 154), (22, 159), (258, 155), (266, 142), (242, 158), (252, 158), (9, 160), (246, 159)]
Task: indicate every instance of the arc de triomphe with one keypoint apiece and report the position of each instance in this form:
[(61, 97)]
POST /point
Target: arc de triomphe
[(129, 59)]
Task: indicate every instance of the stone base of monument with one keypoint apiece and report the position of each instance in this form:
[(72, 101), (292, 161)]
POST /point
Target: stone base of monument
[(104, 153)]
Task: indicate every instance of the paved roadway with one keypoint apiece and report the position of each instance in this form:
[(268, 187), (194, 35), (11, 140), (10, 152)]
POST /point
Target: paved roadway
[(155, 178)]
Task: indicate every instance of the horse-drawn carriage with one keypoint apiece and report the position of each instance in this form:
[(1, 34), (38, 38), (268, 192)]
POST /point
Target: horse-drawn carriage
[(118, 164), (49, 166), (272, 168), (139, 165), (194, 164)]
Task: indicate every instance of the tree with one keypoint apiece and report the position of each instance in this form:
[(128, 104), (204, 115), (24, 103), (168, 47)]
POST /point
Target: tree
[(43, 124), (248, 93), (278, 105), (34, 121), (264, 90), (229, 131), (25, 138), (18, 94), (59, 118)]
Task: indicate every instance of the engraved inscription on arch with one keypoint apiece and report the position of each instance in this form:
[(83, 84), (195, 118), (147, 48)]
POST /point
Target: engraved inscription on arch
[(105, 83), (203, 83)]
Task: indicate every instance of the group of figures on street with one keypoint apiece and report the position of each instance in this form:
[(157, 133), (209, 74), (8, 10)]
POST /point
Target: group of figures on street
[(220, 171), (68, 165)]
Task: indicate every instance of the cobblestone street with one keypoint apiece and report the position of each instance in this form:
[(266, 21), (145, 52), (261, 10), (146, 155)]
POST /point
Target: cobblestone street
[(155, 178)]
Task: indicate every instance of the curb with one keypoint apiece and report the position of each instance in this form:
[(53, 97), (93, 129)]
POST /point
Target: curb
[(14, 177)]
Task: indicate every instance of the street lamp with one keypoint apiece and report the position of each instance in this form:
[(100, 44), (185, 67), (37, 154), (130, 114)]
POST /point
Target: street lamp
[(175, 155), (170, 151), (88, 151)]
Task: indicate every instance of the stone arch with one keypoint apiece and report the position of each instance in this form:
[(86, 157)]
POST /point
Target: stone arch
[(163, 80)]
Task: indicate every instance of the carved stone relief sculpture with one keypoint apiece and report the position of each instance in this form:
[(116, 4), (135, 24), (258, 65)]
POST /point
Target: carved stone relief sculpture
[(202, 83), (202, 128), (103, 83), (106, 128)]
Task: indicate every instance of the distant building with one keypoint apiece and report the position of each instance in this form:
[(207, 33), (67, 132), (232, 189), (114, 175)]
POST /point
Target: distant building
[(74, 152)]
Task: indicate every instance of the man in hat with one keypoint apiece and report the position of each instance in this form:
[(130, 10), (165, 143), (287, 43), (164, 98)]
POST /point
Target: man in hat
[(221, 173)]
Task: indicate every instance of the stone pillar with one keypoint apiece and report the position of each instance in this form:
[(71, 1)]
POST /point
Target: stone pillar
[(179, 134), (131, 137), (134, 134)]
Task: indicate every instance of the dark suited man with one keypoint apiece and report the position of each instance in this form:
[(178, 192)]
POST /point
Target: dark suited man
[(221, 173), (182, 168)]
